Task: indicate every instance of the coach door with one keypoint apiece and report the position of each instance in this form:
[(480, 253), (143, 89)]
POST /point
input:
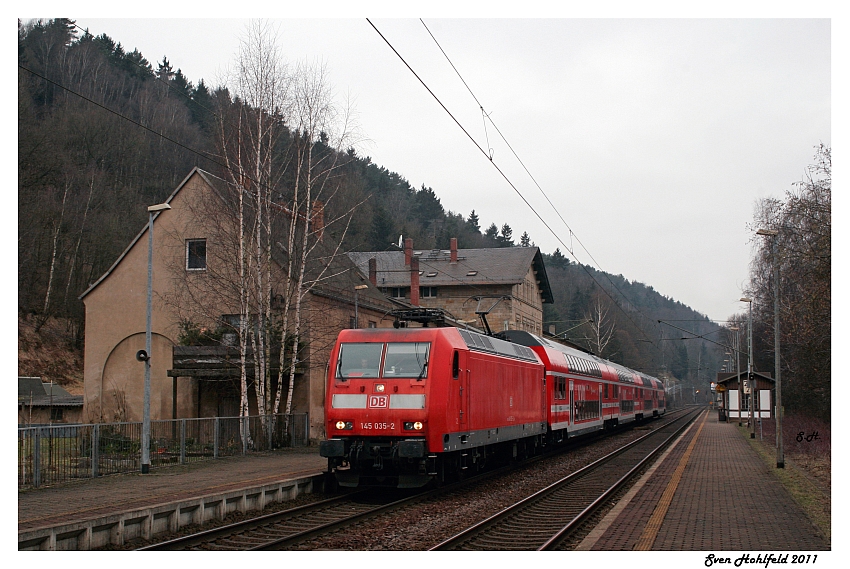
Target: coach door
[(572, 405)]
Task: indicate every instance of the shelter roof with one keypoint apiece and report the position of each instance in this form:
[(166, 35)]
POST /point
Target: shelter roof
[(727, 377)]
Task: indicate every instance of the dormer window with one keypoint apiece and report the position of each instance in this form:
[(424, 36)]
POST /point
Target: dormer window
[(196, 254)]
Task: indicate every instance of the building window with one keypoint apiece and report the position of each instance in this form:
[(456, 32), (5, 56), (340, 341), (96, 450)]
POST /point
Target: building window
[(427, 292), (373, 324), (196, 254), (55, 413), (395, 292)]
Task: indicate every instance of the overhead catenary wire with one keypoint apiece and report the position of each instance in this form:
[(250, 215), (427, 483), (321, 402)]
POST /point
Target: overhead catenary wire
[(213, 160), (177, 143), (504, 176), (487, 116), (159, 134), (171, 87)]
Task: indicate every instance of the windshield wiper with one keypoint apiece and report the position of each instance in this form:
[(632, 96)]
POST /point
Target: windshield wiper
[(422, 372)]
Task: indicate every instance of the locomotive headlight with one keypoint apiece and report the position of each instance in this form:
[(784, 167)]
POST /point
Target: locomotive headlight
[(379, 388), (413, 426), (344, 425)]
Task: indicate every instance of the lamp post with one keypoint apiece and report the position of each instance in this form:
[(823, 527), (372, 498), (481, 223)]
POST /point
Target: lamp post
[(146, 357), (780, 453), (356, 315), (737, 348), (750, 366)]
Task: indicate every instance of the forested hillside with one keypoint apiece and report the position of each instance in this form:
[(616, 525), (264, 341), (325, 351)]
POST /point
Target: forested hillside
[(619, 320), (103, 133)]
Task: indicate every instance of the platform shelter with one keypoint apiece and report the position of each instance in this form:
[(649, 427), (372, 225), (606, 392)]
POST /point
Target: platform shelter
[(734, 391)]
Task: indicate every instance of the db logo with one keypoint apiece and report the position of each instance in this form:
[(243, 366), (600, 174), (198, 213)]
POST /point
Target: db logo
[(379, 401)]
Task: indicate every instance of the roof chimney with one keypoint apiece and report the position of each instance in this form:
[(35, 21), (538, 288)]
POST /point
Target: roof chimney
[(373, 271), (454, 250), (414, 281), (408, 250)]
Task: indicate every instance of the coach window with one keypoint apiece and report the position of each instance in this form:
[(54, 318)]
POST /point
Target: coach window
[(560, 387), (196, 254)]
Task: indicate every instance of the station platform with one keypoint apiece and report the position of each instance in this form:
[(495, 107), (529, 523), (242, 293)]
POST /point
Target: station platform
[(112, 509), (709, 492)]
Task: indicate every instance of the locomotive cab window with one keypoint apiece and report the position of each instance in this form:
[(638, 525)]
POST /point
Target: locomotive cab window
[(359, 360), (408, 359)]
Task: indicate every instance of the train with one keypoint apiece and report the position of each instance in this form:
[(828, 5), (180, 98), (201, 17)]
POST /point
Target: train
[(409, 407)]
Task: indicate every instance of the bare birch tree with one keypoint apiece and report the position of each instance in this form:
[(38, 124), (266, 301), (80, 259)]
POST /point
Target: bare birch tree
[(601, 327), (249, 146), (281, 138), (323, 131)]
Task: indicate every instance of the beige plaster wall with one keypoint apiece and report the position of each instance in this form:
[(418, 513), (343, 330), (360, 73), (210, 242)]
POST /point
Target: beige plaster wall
[(116, 321)]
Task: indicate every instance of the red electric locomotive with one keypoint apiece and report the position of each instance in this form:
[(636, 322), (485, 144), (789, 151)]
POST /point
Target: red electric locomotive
[(406, 406)]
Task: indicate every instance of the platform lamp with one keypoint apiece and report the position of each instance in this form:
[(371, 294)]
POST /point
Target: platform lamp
[(356, 315), (773, 233), (145, 356), (750, 366)]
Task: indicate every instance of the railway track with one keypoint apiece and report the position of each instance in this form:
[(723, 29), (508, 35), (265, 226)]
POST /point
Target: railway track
[(547, 518), (288, 528)]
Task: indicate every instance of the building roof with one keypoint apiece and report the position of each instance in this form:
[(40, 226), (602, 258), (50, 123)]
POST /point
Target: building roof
[(334, 278), (211, 180), (332, 274), (30, 386), (32, 391), (474, 267)]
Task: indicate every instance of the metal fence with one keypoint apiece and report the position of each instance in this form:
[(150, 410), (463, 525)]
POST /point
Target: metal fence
[(53, 454)]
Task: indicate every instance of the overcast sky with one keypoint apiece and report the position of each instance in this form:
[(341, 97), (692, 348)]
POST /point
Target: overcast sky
[(653, 138)]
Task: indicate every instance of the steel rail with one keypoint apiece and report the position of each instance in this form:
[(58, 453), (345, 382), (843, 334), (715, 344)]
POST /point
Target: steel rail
[(210, 535), (528, 519), (606, 496)]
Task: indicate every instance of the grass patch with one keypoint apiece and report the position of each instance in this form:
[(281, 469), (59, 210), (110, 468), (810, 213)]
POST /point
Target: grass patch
[(808, 495)]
